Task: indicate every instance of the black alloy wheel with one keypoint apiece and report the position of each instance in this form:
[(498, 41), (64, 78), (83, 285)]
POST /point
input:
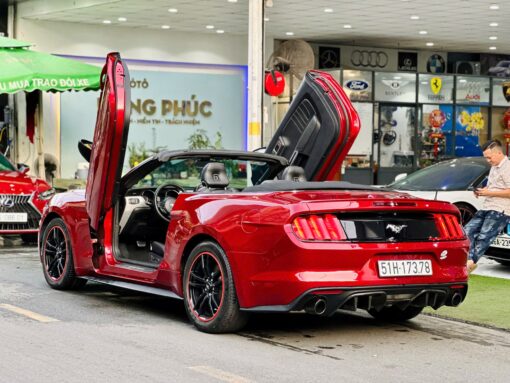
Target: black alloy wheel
[(57, 257), (209, 292), (205, 285)]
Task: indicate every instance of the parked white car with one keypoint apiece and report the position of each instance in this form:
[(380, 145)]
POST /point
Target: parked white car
[(451, 180)]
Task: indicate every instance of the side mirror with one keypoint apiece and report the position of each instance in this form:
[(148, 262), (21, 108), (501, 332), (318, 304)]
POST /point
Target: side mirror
[(400, 176), (23, 168)]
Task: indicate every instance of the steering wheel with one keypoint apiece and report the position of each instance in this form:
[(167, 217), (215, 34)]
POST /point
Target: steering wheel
[(165, 196)]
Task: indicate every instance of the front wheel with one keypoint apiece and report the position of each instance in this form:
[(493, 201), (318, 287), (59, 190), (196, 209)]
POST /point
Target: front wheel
[(210, 296), (395, 314), (57, 257)]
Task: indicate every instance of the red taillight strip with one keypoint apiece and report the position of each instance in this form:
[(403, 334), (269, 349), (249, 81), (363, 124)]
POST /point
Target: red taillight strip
[(448, 226), (443, 231), (319, 228)]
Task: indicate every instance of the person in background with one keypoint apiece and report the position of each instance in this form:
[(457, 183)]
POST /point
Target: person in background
[(489, 221)]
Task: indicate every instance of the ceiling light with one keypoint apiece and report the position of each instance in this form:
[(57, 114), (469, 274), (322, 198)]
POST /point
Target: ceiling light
[(209, 26), (493, 38), (328, 10), (173, 10), (493, 48), (165, 27), (462, 80), (122, 19), (266, 18), (414, 17), (232, 1), (107, 21), (347, 26), (493, 24), (423, 32), (494, 7), (289, 33), (430, 44), (220, 31), (397, 78)]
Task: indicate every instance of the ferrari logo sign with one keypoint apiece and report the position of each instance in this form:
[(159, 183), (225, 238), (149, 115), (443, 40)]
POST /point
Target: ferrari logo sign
[(435, 84), (506, 90)]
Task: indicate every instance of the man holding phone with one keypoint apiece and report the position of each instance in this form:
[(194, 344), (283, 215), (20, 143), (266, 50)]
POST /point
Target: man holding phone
[(489, 221)]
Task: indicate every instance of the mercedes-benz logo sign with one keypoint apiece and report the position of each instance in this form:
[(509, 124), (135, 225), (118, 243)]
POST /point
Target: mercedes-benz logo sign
[(372, 59), (6, 202)]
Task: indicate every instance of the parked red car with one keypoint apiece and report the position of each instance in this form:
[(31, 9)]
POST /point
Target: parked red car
[(22, 199), (251, 242)]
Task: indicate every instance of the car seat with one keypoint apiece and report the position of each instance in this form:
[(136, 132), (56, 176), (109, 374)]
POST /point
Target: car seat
[(213, 177), (294, 173)]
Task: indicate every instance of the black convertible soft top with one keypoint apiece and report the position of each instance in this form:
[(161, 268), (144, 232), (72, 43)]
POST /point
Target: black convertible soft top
[(283, 185)]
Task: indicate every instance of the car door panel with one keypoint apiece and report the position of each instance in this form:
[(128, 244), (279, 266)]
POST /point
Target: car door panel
[(318, 129), (110, 138)]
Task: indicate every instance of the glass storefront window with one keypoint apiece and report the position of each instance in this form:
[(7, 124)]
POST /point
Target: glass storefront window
[(435, 89), (471, 130), (358, 85), (434, 132), (395, 87), (501, 126), (473, 90), (395, 136), (501, 92)]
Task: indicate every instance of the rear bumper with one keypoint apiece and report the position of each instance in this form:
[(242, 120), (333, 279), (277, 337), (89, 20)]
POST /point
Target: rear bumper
[(376, 297)]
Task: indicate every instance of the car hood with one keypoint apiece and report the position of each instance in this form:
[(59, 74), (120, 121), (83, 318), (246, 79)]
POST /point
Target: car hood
[(13, 182), (497, 69)]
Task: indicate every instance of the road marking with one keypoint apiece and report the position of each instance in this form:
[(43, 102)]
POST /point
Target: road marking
[(28, 313), (220, 374)]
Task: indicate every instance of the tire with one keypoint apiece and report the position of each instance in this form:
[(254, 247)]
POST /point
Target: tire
[(395, 314), (57, 257), (504, 263), (466, 212), (29, 239), (210, 297)]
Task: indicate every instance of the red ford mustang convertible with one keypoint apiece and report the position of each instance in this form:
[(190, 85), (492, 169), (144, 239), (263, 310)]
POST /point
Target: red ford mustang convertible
[(233, 232)]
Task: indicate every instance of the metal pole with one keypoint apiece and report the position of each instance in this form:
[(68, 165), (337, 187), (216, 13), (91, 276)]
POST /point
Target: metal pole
[(255, 71)]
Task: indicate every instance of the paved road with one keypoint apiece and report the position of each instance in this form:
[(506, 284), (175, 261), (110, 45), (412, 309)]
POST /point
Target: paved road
[(102, 334)]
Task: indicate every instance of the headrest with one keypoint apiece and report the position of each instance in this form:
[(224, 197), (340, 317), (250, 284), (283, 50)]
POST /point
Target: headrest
[(213, 175), (294, 173)]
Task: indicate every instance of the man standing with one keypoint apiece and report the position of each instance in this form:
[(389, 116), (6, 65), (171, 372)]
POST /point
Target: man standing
[(488, 222)]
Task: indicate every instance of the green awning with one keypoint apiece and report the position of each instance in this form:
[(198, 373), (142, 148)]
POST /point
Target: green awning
[(22, 69)]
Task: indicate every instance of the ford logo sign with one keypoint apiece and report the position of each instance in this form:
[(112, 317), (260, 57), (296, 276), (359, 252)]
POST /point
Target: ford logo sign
[(357, 85)]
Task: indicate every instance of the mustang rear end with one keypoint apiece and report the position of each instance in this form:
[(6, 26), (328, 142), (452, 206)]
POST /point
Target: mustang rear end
[(349, 250)]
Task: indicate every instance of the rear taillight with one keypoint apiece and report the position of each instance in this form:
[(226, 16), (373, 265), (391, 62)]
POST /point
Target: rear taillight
[(325, 227), (449, 227)]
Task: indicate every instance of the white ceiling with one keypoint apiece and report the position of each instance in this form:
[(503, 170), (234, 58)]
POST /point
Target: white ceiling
[(452, 25)]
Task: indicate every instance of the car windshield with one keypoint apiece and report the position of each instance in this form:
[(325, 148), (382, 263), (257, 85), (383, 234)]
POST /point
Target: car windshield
[(5, 164), (450, 175), (185, 172), (504, 64)]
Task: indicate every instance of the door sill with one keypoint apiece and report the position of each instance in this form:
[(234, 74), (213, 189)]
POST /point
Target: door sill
[(134, 286)]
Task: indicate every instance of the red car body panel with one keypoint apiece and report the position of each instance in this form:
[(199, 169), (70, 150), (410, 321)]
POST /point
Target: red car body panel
[(16, 185), (272, 268)]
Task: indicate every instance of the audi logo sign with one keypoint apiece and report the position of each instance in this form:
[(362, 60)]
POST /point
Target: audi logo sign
[(371, 59), (6, 202)]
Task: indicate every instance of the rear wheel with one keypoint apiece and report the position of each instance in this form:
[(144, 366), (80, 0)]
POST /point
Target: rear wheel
[(210, 296), (57, 257), (466, 212), (395, 314)]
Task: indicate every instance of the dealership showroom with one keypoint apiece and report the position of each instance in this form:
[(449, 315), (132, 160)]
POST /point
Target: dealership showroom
[(254, 191)]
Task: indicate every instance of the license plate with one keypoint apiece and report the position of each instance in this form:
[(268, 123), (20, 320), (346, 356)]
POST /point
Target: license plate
[(13, 217), (501, 241), (404, 268)]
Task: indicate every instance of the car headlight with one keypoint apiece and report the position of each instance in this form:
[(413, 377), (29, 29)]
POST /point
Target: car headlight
[(47, 194)]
